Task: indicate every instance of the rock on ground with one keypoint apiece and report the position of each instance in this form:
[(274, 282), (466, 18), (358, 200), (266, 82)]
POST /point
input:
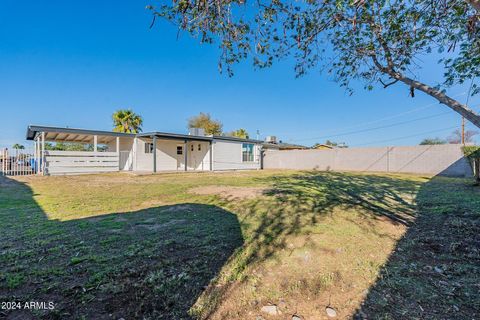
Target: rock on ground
[(271, 310)]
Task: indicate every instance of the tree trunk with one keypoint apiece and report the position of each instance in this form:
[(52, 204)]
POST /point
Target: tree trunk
[(476, 166), (453, 104)]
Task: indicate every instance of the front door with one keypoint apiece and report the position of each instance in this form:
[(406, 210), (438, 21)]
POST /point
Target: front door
[(180, 157), (192, 156)]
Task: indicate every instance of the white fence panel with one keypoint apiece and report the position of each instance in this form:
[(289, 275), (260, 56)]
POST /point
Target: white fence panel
[(78, 170), (80, 162), (80, 153)]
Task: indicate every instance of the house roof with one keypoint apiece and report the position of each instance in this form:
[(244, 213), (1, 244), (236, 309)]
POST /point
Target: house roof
[(73, 134), (174, 136), (237, 139), (85, 135), (179, 136)]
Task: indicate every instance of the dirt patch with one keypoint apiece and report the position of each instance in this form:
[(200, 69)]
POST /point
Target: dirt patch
[(313, 272), (151, 203), (230, 192)]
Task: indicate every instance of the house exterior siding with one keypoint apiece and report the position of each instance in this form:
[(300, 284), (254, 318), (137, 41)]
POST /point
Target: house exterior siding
[(126, 152), (227, 155), (169, 160), (174, 152)]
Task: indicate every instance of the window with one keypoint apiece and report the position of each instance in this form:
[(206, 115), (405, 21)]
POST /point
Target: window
[(199, 147), (247, 152), (179, 150), (191, 147), (148, 147)]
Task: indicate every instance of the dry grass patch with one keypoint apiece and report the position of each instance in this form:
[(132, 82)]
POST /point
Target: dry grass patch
[(222, 246), (314, 271), (230, 192)]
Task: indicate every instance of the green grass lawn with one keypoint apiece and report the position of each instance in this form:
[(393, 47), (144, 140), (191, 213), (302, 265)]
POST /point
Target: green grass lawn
[(223, 245)]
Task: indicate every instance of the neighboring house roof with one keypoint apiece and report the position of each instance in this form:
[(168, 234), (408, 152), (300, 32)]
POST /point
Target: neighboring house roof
[(283, 146), (322, 146), (78, 135), (290, 146)]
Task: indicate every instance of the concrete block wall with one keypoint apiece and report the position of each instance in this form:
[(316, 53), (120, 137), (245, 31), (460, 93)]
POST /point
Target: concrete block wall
[(446, 160)]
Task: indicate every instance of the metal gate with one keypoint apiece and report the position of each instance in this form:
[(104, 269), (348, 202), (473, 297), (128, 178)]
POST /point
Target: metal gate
[(18, 162)]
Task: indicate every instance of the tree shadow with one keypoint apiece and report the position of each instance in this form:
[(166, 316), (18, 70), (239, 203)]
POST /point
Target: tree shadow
[(302, 200), (297, 202), (433, 272), (159, 262), (152, 263)]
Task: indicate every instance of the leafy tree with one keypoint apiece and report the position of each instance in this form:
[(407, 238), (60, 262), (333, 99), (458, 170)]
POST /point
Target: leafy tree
[(68, 146), (17, 146), (456, 136), (127, 121), (376, 41), (205, 122), (331, 143), (240, 133), (49, 146), (432, 141)]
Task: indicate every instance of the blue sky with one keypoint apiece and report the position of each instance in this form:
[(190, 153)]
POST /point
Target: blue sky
[(72, 63)]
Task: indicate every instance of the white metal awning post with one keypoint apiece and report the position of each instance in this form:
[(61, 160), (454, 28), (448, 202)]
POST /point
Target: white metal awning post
[(210, 152), (117, 144), (42, 161), (185, 148), (35, 156), (154, 153)]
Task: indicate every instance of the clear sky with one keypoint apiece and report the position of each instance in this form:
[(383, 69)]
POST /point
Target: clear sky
[(72, 63)]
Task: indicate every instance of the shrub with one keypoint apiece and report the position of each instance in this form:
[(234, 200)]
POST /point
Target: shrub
[(473, 154)]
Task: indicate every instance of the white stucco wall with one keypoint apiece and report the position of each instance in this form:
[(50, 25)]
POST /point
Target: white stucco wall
[(167, 158), (445, 160), (227, 155), (199, 158), (126, 144), (126, 159)]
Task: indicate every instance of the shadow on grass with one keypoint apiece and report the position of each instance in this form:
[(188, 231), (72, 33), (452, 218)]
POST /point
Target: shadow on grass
[(297, 203), (152, 263), (159, 262), (303, 199), (434, 270)]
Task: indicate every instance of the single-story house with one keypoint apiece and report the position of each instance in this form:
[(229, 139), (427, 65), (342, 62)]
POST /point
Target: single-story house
[(142, 152)]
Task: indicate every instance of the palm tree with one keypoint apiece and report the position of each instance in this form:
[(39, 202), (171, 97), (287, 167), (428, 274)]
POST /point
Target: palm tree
[(127, 121), (17, 146)]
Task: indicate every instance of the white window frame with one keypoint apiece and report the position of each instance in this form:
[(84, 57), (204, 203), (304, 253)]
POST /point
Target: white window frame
[(148, 145), (252, 153), (177, 149)]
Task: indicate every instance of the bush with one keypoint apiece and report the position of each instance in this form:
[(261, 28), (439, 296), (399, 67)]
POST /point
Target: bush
[(473, 154)]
